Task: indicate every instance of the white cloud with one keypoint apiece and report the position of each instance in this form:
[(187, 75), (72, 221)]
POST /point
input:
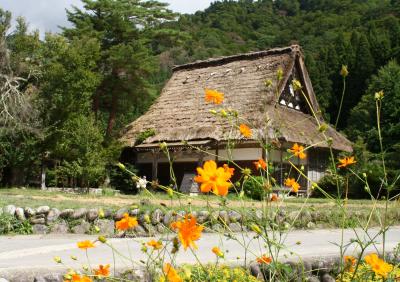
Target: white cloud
[(47, 15)]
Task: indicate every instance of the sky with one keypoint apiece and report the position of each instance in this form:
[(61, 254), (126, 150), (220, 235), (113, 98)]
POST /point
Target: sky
[(47, 15)]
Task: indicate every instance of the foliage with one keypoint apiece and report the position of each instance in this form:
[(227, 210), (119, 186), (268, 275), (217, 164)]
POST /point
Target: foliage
[(144, 135), (254, 187), (121, 180), (197, 273), (11, 225)]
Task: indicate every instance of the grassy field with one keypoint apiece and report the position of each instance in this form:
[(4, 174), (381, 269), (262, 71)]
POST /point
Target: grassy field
[(35, 197)]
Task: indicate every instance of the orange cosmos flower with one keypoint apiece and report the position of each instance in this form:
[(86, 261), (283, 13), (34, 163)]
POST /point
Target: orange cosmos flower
[(102, 271), (214, 96), (274, 198), (349, 263), (213, 178), (78, 278), (217, 252), (379, 266), (154, 244), (85, 245), (245, 130), (346, 161), (264, 259), (298, 151), (260, 164), (291, 182), (126, 223), (171, 273), (188, 231)]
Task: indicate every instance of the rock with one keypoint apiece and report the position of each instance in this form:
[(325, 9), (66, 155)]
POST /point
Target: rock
[(20, 214), (53, 215), (140, 231), (106, 226), (311, 225), (150, 229), (223, 217), (293, 215), (60, 228), (67, 213), (92, 214), (214, 216), (259, 214), (108, 213), (120, 213), (134, 212), (3, 279), (306, 216), (327, 278), (235, 227), (157, 216), (39, 229), (82, 228), (10, 209), (29, 212), (256, 271), (234, 216), (43, 210), (37, 220), (218, 228), (312, 278), (79, 213), (168, 218), (49, 278), (202, 216)]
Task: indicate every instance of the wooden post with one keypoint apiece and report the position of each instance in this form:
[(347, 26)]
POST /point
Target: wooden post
[(43, 177), (154, 174)]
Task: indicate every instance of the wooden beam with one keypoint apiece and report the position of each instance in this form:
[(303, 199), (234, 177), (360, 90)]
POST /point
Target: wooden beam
[(154, 174)]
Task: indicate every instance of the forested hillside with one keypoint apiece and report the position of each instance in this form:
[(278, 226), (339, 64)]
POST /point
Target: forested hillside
[(106, 69)]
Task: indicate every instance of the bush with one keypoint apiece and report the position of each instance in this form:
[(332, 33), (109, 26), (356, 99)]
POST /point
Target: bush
[(212, 273), (121, 180), (254, 187), (328, 183), (11, 225)]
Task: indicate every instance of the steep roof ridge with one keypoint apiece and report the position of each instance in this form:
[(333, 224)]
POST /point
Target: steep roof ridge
[(295, 49)]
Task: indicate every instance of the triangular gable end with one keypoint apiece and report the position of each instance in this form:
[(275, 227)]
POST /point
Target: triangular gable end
[(294, 99)]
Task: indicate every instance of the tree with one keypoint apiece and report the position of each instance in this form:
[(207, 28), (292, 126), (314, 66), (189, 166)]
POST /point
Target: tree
[(123, 29)]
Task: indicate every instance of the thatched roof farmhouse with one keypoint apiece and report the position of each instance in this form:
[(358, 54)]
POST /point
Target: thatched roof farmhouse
[(276, 112)]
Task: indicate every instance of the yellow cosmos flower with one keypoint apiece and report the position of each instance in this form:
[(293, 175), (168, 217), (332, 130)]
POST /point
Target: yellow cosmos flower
[(102, 271), (213, 178), (264, 260), (154, 244), (291, 182), (188, 231), (245, 130), (260, 164), (171, 274), (298, 151), (378, 265), (85, 245), (217, 252), (78, 278), (349, 263), (214, 96), (126, 223), (346, 161)]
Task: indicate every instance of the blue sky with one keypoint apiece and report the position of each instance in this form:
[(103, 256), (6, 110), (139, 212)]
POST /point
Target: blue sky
[(46, 15)]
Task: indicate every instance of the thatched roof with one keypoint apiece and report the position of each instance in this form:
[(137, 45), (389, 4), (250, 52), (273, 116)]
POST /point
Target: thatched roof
[(180, 112)]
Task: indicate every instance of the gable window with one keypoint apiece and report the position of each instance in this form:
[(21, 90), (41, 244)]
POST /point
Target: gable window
[(293, 99)]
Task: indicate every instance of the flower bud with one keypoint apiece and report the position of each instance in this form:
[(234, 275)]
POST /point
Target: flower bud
[(102, 239), (223, 113), (279, 74), (256, 228), (101, 213), (146, 218), (121, 166), (379, 95), (344, 72), (163, 146), (364, 175), (170, 192), (296, 84), (85, 267), (96, 229), (323, 127), (57, 259), (268, 83), (73, 257), (214, 112), (246, 171)]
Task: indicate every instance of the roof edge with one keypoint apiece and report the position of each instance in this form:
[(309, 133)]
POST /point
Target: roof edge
[(228, 59)]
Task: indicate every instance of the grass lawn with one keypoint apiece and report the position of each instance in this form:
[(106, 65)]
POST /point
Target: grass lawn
[(35, 197)]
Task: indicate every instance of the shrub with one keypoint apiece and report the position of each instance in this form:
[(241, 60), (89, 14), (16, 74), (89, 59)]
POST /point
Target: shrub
[(11, 225), (121, 180), (254, 187), (328, 183)]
